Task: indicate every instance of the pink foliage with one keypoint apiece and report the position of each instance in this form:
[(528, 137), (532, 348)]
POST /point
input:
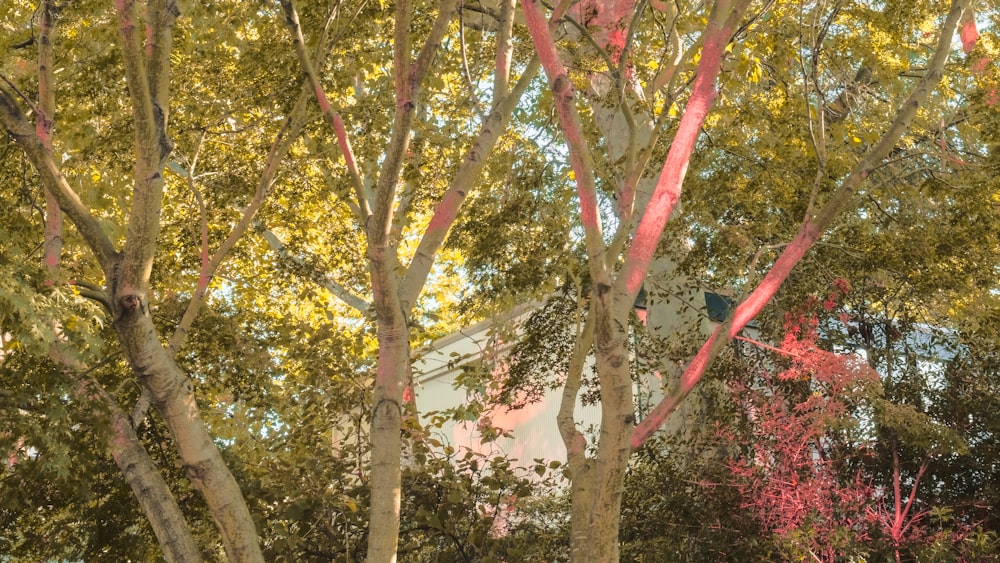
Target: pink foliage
[(610, 19), (791, 481), (794, 474), (969, 33)]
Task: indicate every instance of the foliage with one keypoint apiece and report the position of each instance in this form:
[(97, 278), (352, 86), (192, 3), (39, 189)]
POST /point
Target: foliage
[(683, 507), (819, 449), (284, 369), (804, 421), (471, 506)]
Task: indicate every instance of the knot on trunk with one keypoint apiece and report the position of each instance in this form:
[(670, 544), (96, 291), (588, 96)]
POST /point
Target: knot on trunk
[(196, 472), (562, 86), (130, 303), (387, 413)]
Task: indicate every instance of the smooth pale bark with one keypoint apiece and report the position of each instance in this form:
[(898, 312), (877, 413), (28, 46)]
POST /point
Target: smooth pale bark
[(596, 484), (155, 499), (140, 472), (394, 293), (630, 135), (172, 393), (392, 373), (598, 481), (387, 415)]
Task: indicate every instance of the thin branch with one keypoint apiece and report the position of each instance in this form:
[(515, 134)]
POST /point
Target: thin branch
[(451, 202), (14, 121), (323, 280), (407, 77), (343, 142), (760, 344), (465, 68), (504, 49), (27, 100), (289, 132), (44, 120), (573, 439), (722, 22), (668, 71), (92, 292)]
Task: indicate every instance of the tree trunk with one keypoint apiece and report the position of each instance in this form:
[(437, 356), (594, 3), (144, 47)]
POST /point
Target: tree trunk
[(386, 440), (155, 499), (138, 469), (387, 415), (617, 420), (614, 295), (597, 482), (172, 393)]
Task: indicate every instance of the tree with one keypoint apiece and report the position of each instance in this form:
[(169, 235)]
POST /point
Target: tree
[(403, 211), (617, 270), (383, 214), (124, 252)]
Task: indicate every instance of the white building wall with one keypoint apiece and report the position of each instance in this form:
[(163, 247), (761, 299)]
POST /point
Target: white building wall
[(534, 433)]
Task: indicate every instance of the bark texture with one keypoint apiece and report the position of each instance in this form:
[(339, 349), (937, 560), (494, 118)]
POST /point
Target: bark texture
[(155, 499), (172, 393)]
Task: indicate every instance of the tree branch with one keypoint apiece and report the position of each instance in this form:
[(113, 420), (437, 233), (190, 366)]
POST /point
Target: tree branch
[(722, 21), (287, 135), (149, 93), (160, 15), (17, 125), (407, 78), (808, 234), (569, 120), (450, 204), (44, 121), (465, 69), (343, 142), (504, 49), (321, 279), (572, 438)]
